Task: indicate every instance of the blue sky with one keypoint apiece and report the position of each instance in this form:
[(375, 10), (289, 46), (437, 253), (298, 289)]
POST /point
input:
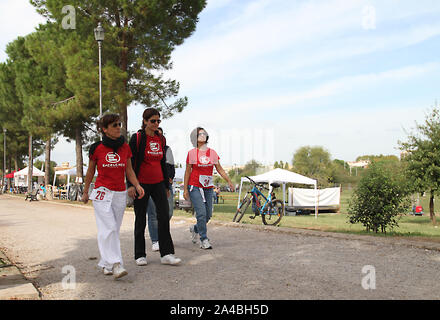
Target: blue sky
[(265, 77)]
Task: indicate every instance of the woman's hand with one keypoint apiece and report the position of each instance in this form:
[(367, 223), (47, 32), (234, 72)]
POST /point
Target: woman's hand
[(140, 192), (85, 197), (232, 187), (132, 192), (186, 194)]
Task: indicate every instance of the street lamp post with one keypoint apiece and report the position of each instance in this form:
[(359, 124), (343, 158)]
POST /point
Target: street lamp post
[(99, 36), (4, 158)]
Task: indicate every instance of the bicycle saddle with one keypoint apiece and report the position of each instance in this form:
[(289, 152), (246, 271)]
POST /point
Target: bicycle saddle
[(275, 185)]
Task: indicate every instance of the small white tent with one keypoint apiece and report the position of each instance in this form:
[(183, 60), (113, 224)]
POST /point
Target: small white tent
[(282, 176), (68, 172), (19, 176)]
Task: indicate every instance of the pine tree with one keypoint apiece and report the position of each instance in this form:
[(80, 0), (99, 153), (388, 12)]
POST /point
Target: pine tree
[(139, 39)]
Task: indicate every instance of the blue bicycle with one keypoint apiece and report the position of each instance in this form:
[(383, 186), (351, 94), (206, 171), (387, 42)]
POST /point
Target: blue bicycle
[(271, 211)]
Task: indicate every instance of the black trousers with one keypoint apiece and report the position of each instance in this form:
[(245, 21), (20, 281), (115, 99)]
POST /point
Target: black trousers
[(159, 195)]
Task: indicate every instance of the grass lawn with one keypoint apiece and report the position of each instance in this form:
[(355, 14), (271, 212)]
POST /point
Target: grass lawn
[(412, 226), (409, 226)]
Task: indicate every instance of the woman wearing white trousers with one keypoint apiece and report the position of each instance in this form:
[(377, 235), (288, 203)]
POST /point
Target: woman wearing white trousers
[(111, 157)]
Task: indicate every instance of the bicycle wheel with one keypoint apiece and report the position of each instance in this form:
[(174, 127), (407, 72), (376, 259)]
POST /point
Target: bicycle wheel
[(241, 209), (275, 212)]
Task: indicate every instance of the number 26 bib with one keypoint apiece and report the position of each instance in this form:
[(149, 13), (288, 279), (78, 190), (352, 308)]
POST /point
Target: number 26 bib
[(103, 196)]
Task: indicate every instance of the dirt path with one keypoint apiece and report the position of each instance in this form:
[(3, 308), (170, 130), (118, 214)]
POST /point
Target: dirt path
[(50, 242)]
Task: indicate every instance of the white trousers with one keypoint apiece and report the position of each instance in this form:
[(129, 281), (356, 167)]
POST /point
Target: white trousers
[(108, 221)]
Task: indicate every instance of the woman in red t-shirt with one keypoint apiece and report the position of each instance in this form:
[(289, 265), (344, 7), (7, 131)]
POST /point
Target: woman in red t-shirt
[(198, 182), (112, 158), (149, 163)]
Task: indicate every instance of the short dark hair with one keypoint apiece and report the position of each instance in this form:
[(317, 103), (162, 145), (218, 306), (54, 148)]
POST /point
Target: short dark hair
[(106, 120), (148, 113)]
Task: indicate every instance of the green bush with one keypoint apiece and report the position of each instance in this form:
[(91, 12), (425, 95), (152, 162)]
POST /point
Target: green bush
[(378, 199)]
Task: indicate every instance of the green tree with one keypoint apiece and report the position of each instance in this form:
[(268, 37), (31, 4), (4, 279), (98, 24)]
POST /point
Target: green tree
[(422, 157), (139, 39), (250, 168), (313, 162), (11, 111), (29, 82), (43, 45), (378, 199)]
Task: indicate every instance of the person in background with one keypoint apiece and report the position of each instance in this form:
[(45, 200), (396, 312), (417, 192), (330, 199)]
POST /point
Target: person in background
[(198, 183), (151, 209), (216, 194), (43, 190)]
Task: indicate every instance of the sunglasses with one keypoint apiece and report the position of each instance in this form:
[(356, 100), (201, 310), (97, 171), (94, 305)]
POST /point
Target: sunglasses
[(202, 134), (154, 121), (117, 124)]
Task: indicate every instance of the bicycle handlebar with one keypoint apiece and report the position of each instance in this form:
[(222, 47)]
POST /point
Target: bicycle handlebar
[(260, 184)]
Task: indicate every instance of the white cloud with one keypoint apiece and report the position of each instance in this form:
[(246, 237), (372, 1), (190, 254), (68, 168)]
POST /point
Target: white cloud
[(349, 134), (17, 18), (342, 86), (269, 39)]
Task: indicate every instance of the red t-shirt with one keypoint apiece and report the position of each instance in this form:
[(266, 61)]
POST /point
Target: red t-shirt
[(111, 166), (202, 163), (150, 171)]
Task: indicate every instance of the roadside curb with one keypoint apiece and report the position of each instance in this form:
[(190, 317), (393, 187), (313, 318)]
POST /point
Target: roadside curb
[(13, 284)]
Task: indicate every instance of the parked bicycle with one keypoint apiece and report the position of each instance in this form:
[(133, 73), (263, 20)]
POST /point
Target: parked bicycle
[(271, 211)]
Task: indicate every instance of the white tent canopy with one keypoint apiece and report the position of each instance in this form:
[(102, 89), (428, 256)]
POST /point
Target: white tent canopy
[(19, 176), (68, 172), (282, 176)]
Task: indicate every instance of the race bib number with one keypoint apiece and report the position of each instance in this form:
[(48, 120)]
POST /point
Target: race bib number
[(103, 196), (206, 181)]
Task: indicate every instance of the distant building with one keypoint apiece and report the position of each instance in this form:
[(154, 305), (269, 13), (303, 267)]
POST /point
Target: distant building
[(64, 166), (358, 164)]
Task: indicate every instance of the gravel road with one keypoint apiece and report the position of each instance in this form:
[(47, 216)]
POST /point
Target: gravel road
[(54, 244)]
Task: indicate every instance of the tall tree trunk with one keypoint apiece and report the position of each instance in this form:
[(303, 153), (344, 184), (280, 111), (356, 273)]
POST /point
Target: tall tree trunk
[(30, 165), (10, 171), (431, 208), (79, 156), (15, 162), (47, 162)]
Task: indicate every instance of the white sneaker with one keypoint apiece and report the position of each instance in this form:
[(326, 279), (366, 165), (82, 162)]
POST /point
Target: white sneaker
[(107, 272), (119, 271), (155, 246), (193, 234), (170, 259), (142, 261), (205, 244)]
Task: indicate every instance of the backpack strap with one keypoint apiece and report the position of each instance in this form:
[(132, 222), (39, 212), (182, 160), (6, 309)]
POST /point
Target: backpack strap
[(93, 148), (138, 139)]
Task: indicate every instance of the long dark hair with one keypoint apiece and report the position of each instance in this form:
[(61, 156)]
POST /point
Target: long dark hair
[(148, 113)]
